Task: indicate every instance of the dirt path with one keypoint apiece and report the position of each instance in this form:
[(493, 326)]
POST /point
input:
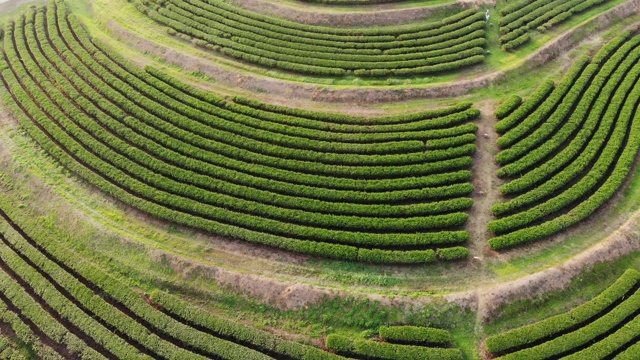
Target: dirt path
[(9, 5), (485, 181), (370, 95)]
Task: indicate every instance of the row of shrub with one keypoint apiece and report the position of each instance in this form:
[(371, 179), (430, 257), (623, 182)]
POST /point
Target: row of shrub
[(629, 353), (527, 336), (314, 168), (589, 336), (351, 2), (575, 158), (297, 177), (28, 320), (128, 315), (594, 169), (118, 181), (516, 156), (232, 134), (446, 46), (359, 130), (341, 122), (603, 56), (508, 106), (522, 16), (24, 336), (238, 191), (589, 157), (577, 105), (382, 350), (254, 338), (222, 22), (403, 138), (594, 190), (543, 102), (78, 316), (208, 182), (296, 51), (292, 189), (612, 344), (415, 335), (311, 30)]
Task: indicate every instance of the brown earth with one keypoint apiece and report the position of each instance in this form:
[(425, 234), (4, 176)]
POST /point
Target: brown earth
[(485, 181), (14, 4), (369, 95)]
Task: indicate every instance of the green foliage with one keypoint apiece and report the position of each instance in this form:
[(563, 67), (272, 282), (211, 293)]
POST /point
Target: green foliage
[(387, 351), (446, 45), (522, 16), (339, 344), (587, 316), (166, 149), (569, 168), (580, 71), (508, 106), (538, 97), (415, 335), (453, 253)]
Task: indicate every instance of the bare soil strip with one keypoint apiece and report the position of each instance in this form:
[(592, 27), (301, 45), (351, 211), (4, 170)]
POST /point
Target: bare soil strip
[(371, 95), (6, 6), (485, 181)]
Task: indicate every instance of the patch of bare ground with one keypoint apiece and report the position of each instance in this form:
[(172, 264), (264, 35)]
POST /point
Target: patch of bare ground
[(288, 293), (331, 94), (485, 182), (11, 5)]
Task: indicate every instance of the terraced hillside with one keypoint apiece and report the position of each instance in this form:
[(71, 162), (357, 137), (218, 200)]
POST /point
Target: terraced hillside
[(393, 192), (568, 151), (67, 308), (425, 48), (306, 192)]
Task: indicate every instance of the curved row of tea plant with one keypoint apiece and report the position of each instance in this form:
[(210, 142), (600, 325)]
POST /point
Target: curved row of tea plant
[(400, 342), (49, 290), (520, 17), (164, 151), (450, 44), (573, 158), (602, 328), (523, 110)]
